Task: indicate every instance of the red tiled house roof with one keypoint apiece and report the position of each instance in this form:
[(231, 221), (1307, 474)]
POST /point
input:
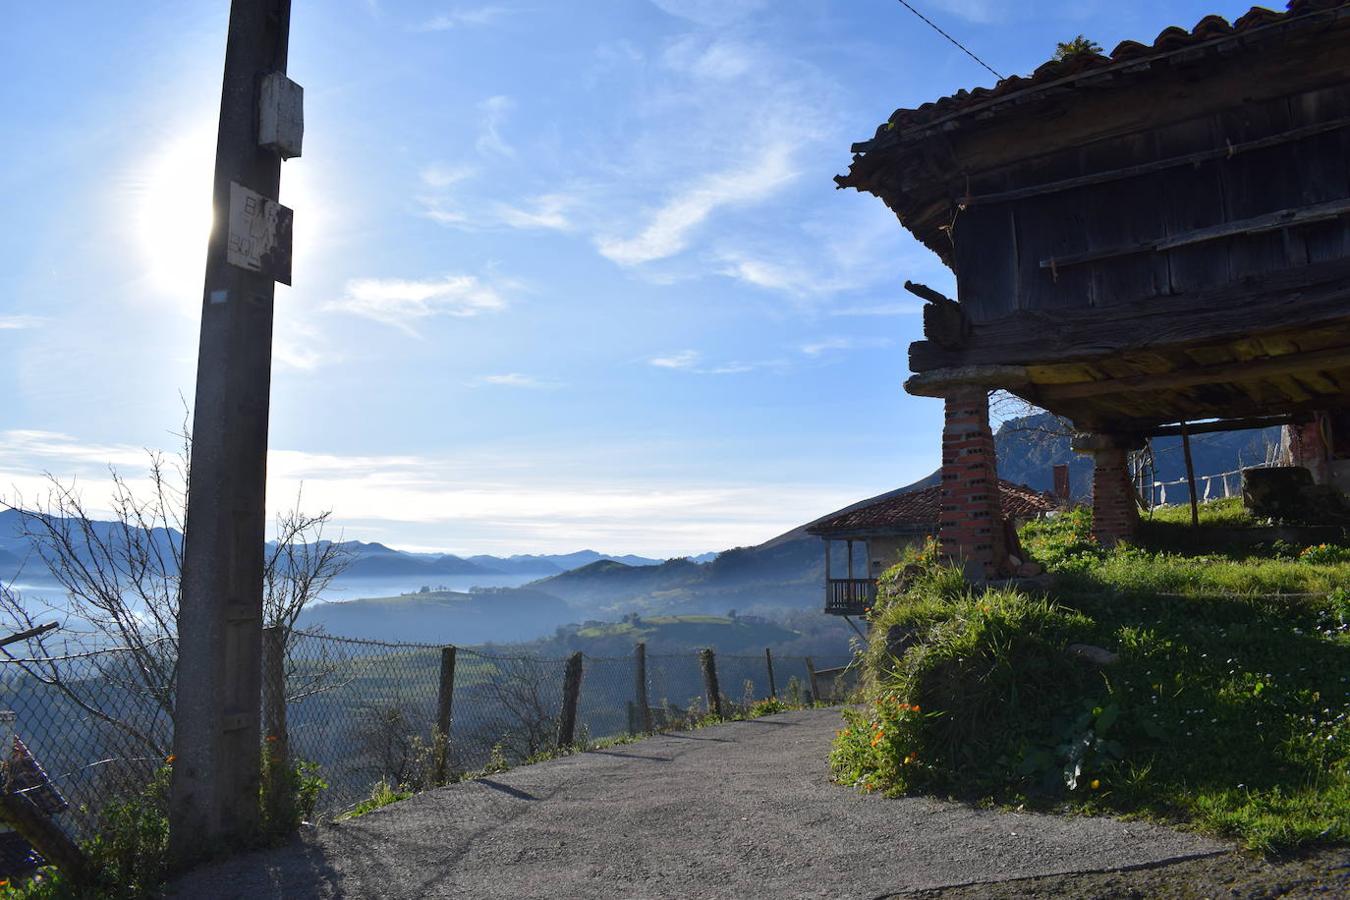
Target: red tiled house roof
[(916, 512)]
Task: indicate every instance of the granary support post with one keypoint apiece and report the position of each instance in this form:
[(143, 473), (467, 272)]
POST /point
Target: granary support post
[(1115, 512), (970, 523), (1308, 447)]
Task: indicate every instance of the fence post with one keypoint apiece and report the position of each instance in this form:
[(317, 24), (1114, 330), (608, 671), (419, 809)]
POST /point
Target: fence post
[(46, 837), (814, 693), (709, 663), (445, 698), (567, 721), (274, 713), (768, 661), (644, 710)]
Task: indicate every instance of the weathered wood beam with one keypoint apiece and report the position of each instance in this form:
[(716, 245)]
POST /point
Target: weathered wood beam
[(1301, 299), (942, 382), (944, 322), (1241, 424), (1228, 151), (1284, 218), (1227, 373)]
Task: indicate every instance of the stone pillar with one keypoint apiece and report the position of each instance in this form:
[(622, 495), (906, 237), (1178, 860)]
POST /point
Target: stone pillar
[(1308, 447), (970, 524), (1115, 511)]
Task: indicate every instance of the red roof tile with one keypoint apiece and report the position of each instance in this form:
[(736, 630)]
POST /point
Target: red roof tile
[(918, 510), (1171, 40)]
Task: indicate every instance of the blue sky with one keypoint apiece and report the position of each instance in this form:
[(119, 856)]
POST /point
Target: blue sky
[(567, 274)]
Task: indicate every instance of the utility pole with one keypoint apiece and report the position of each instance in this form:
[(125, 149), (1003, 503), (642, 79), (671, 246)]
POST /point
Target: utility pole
[(214, 794)]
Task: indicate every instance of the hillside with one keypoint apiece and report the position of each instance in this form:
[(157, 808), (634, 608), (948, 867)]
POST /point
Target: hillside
[(436, 617), (670, 634)]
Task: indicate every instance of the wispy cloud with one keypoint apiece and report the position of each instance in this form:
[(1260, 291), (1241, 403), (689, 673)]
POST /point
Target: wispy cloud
[(401, 302), (515, 380), (441, 175), (543, 212), (458, 18), (978, 11), (879, 309), (816, 348), (691, 361), (495, 111), (714, 13), (15, 323), (685, 359), (668, 229)]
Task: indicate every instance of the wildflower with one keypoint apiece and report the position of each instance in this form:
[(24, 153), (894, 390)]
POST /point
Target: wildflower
[(170, 758), (880, 736), (271, 739), (1096, 784), (911, 758)]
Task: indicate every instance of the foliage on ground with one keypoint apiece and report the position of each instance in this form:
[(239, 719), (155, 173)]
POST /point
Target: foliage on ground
[(1226, 710)]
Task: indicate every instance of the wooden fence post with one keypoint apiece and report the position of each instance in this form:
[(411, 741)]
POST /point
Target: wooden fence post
[(567, 720), (644, 710), (814, 692), (768, 661), (278, 740), (445, 697), (709, 663)]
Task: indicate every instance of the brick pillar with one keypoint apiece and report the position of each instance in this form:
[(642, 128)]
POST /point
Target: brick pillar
[(970, 525), (1308, 448), (1115, 512)]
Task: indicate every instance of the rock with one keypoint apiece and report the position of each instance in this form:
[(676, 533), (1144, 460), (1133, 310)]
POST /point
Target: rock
[(1098, 656)]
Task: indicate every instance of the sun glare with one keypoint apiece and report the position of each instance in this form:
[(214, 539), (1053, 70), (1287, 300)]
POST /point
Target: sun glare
[(174, 215)]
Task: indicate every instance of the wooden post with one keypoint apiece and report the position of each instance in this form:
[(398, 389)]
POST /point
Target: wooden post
[(1190, 474), (644, 710), (278, 742), (709, 664), (850, 561), (567, 720), (811, 673), (768, 661), (45, 837), (445, 698), (215, 783)]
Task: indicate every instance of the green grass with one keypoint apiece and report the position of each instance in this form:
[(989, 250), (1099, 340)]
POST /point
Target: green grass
[(1227, 710)]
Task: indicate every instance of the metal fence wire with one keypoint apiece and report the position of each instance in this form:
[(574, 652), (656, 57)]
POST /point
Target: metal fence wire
[(358, 712)]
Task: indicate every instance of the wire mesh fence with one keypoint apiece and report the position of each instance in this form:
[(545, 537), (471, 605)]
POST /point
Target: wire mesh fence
[(361, 712)]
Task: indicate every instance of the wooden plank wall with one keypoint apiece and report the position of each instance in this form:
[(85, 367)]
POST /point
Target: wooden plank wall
[(999, 246)]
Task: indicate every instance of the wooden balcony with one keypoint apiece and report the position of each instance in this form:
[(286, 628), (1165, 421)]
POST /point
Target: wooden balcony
[(849, 596)]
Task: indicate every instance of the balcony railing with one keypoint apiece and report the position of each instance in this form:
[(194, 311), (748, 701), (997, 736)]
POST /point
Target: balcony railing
[(849, 596)]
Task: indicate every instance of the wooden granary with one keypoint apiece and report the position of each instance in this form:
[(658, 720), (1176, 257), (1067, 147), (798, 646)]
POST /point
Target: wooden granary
[(1141, 240)]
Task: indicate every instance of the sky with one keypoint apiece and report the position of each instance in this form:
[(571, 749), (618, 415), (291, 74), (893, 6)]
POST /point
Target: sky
[(566, 274)]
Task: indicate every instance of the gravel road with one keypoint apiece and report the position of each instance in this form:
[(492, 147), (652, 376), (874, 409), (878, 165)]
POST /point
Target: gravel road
[(740, 810)]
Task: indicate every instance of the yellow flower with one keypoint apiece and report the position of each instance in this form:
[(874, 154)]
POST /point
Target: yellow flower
[(170, 758), (1096, 784)]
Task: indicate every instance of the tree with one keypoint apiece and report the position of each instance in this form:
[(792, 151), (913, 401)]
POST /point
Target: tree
[(121, 579), (1076, 47)]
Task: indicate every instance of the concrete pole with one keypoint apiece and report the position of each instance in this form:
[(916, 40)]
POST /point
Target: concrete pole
[(214, 795)]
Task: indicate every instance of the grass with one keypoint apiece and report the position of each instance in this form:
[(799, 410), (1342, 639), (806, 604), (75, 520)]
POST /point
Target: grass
[(1226, 710)]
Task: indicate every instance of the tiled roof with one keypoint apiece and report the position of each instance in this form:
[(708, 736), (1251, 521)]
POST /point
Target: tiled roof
[(918, 510), (1171, 43)]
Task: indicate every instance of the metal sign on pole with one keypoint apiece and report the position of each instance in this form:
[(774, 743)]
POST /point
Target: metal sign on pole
[(214, 796)]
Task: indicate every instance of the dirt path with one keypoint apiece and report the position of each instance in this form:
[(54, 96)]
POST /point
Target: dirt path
[(742, 810)]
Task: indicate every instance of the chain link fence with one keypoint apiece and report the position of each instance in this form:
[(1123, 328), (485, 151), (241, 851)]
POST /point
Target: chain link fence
[(359, 711)]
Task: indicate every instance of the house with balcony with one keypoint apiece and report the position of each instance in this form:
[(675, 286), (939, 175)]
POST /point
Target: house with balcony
[(863, 541)]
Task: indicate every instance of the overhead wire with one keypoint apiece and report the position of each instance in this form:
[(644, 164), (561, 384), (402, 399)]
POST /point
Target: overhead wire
[(964, 49)]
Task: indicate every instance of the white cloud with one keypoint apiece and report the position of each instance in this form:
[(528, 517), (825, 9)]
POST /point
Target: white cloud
[(440, 175), (515, 380), (685, 359), (668, 231), (15, 323), (714, 13), (495, 111), (543, 211), (457, 18), (716, 61), (400, 302), (816, 348)]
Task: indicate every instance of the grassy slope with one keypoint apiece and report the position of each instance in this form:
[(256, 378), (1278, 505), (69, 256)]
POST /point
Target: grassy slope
[(1227, 708)]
